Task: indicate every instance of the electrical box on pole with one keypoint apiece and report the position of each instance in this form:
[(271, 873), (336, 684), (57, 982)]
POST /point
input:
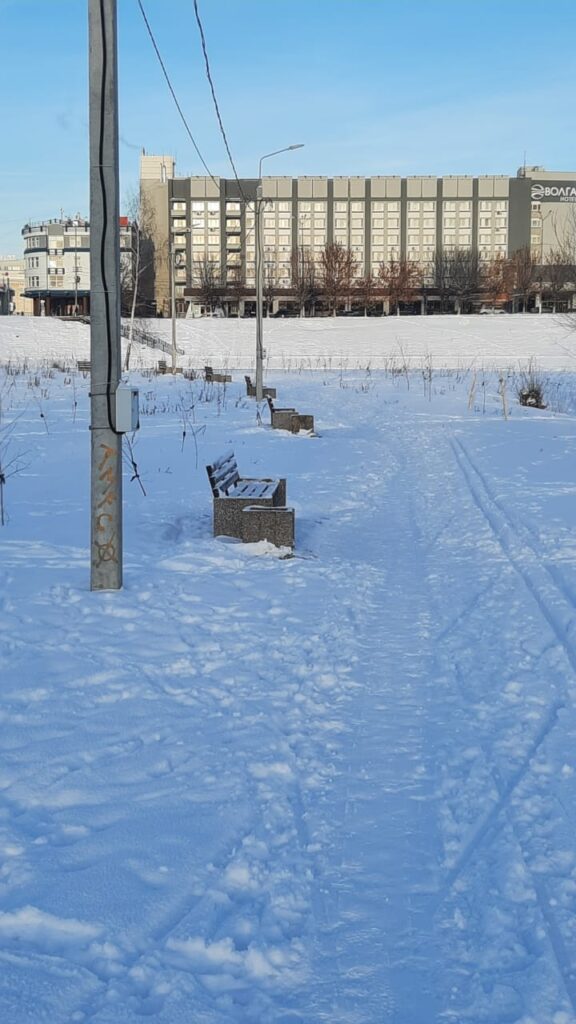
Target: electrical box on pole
[(105, 356), (127, 416)]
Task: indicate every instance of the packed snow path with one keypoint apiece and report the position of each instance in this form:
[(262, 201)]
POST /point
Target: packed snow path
[(334, 788)]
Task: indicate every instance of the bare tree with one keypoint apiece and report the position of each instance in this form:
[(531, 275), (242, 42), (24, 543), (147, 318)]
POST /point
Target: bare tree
[(399, 280), (304, 282), (497, 280), (337, 268), (270, 286), (465, 275), (367, 290), (208, 281), (558, 276), (137, 267), (441, 280), (525, 275)]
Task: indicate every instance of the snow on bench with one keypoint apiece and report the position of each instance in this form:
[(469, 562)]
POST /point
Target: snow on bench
[(216, 378)]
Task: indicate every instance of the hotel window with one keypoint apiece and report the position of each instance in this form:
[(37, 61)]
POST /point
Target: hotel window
[(464, 222), (464, 207), (340, 207), (357, 238), (178, 206), (377, 240), (377, 222), (449, 222), (198, 206), (305, 207), (340, 222), (357, 222), (378, 206), (464, 239), (393, 206), (284, 207), (357, 207), (485, 205), (485, 222), (413, 222), (429, 222), (428, 206), (450, 206), (393, 239), (393, 222), (230, 207), (413, 239)]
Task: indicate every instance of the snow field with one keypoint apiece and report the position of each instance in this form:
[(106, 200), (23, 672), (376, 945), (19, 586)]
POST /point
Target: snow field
[(337, 787)]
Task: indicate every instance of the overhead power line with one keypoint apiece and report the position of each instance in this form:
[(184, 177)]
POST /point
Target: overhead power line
[(213, 91), (174, 97)]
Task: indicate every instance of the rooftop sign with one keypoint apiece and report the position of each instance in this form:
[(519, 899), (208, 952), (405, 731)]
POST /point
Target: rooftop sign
[(554, 191)]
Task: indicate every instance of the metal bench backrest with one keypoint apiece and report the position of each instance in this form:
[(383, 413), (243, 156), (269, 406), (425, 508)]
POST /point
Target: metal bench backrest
[(223, 474)]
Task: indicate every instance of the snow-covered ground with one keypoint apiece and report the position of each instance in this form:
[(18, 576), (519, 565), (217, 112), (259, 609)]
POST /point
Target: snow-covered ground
[(337, 788), (322, 343)]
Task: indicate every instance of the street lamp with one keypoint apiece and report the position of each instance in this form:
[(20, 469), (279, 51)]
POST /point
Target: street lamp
[(260, 268)]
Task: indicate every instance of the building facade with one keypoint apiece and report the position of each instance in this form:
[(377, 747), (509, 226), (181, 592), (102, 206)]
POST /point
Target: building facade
[(12, 287), (203, 220), (57, 264)]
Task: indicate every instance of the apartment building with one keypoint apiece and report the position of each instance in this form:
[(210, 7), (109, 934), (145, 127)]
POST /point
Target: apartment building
[(202, 220), (57, 264)]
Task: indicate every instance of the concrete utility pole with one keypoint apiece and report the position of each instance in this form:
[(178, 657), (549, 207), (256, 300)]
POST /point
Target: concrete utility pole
[(173, 302), (105, 355)]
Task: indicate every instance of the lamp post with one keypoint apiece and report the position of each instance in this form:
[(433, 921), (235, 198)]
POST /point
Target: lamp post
[(260, 269)]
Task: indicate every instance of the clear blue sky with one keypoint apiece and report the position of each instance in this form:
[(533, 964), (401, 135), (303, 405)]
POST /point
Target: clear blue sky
[(370, 87)]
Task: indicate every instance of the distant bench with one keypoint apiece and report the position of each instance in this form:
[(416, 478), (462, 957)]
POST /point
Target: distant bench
[(289, 419), (249, 508), (251, 390), (216, 378), (84, 365)]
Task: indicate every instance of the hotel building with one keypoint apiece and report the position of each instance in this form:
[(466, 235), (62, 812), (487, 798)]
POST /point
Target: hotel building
[(203, 219)]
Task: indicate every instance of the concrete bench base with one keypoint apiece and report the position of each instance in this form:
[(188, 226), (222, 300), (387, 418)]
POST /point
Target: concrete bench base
[(228, 510), (289, 419), (276, 525)]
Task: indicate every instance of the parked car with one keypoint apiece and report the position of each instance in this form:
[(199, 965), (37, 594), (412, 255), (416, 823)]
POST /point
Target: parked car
[(284, 312), (491, 309)]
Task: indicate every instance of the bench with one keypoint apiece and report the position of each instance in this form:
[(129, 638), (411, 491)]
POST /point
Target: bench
[(251, 390), (216, 378), (289, 419), (248, 508), (84, 365)]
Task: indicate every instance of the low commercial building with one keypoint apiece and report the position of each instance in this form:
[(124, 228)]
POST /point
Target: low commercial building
[(201, 222), (12, 287)]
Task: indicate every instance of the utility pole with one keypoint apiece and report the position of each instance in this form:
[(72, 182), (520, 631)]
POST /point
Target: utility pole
[(173, 302), (105, 356), (259, 289), (75, 268)]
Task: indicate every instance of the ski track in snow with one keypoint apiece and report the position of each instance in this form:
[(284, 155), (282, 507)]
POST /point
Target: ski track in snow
[(334, 788)]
